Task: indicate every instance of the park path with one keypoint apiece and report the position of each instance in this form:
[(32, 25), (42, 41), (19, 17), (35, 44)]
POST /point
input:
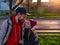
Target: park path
[(45, 25)]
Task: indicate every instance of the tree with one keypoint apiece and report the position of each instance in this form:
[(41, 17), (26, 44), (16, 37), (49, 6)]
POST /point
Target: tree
[(10, 5), (38, 5), (28, 2)]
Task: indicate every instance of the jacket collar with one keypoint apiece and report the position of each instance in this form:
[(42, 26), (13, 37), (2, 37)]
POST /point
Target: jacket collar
[(10, 21)]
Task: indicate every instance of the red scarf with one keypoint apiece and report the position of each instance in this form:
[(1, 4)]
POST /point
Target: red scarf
[(16, 32)]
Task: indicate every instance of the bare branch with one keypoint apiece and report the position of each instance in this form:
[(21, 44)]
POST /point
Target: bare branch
[(10, 4), (10, 7), (17, 5)]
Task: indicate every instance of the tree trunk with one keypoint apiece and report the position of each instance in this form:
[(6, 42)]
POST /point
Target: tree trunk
[(38, 5), (10, 7), (28, 5)]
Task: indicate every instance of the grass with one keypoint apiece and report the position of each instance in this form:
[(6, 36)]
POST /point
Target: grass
[(49, 39), (47, 15), (40, 12), (53, 17), (50, 15), (4, 14), (31, 16)]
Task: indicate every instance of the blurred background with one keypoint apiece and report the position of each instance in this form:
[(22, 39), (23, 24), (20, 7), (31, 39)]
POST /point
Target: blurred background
[(45, 12)]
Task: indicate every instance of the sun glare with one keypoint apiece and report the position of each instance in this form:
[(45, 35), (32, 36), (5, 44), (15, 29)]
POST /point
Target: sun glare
[(34, 0), (41, 0), (44, 0)]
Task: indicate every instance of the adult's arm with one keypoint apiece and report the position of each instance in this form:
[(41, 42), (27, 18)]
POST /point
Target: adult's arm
[(3, 31)]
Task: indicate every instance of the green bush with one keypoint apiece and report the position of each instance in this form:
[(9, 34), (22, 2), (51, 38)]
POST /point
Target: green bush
[(49, 39), (40, 10), (50, 15), (4, 14), (32, 15)]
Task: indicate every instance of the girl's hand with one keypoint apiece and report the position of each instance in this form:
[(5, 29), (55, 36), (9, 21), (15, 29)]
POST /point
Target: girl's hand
[(21, 42)]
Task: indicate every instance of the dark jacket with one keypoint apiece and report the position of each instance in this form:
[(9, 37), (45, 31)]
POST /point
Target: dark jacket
[(29, 37)]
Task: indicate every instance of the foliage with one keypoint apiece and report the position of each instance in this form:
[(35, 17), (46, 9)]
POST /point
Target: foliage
[(4, 14), (40, 10), (49, 39), (32, 15), (51, 15)]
